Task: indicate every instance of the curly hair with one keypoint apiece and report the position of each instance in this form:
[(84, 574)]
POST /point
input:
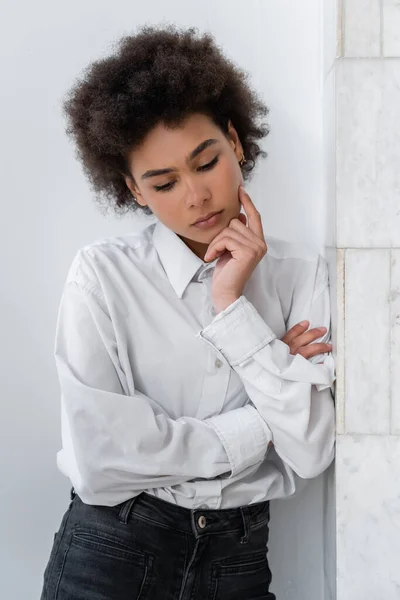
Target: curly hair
[(157, 75)]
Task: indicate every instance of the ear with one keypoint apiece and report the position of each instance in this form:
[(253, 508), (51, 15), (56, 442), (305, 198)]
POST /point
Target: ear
[(134, 190), (234, 140)]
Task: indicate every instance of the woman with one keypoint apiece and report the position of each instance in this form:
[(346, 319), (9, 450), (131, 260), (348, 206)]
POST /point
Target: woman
[(191, 394)]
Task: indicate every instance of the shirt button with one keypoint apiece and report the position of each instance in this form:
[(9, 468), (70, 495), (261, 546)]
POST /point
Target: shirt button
[(218, 363), (204, 506), (202, 522)]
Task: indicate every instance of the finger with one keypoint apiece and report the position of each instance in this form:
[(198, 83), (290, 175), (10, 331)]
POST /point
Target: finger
[(313, 350), (308, 337), (233, 242), (254, 217), (294, 332), (297, 334), (238, 225), (230, 240)]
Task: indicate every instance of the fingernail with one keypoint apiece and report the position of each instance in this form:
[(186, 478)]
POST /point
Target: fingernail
[(303, 322), (322, 328)]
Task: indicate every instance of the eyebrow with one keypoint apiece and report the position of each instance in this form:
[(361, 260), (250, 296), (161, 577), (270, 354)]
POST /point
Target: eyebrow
[(192, 155)]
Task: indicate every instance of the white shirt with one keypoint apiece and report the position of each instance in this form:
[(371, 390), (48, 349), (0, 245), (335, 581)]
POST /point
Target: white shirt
[(159, 393)]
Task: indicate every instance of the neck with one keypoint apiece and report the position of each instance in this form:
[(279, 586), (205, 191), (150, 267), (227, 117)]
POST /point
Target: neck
[(198, 248)]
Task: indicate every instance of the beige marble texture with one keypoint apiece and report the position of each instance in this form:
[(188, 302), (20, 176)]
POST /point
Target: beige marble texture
[(395, 341), (368, 153), (367, 465), (340, 28), (329, 159), (368, 517), (361, 25), (340, 391), (367, 341), (391, 28)]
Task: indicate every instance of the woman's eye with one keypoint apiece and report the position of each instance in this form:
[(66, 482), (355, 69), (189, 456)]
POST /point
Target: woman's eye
[(164, 188), (209, 165), (170, 185)]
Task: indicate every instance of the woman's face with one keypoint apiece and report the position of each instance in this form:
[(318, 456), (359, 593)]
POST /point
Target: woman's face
[(187, 172)]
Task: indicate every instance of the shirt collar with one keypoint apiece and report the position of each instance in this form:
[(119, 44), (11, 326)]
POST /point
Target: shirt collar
[(179, 262)]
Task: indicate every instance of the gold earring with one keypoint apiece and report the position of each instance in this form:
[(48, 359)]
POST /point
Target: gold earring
[(242, 160)]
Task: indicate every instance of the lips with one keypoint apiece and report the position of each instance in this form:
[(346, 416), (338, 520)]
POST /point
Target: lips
[(206, 216)]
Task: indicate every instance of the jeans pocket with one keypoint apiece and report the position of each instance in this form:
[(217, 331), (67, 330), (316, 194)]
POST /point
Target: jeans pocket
[(239, 577), (97, 565), (57, 538)]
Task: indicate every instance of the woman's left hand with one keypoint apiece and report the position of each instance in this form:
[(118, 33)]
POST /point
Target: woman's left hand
[(240, 248)]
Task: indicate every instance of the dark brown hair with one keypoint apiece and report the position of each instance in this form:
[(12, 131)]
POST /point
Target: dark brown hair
[(157, 75)]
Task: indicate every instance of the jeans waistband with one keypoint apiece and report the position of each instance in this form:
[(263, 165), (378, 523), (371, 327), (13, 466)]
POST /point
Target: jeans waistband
[(198, 521)]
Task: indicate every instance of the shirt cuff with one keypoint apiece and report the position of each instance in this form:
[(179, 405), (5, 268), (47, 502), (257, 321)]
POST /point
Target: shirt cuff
[(238, 331), (328, 364), (244, 435)]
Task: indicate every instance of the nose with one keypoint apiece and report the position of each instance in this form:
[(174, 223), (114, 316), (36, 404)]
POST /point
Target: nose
[(196, 192)]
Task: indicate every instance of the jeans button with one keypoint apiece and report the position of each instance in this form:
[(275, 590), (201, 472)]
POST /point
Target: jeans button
[(202, 522)]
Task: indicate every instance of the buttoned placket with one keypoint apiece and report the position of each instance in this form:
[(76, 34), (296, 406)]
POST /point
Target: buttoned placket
[(215, 386), (216, 379)]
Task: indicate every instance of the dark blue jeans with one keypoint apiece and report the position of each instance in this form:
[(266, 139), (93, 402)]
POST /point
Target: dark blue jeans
[(149, 549)]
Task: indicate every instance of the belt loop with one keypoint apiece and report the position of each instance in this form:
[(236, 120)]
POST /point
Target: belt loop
[(125, 509), (246, 520)]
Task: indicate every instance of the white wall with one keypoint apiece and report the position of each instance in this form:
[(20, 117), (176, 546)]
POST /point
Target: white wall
[(47, 214)]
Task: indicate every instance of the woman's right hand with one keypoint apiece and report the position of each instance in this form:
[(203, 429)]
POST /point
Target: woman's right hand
[(299, 341)]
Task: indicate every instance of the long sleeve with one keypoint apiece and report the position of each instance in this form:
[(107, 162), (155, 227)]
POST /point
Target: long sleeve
[(291, 393), (119, 444)]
